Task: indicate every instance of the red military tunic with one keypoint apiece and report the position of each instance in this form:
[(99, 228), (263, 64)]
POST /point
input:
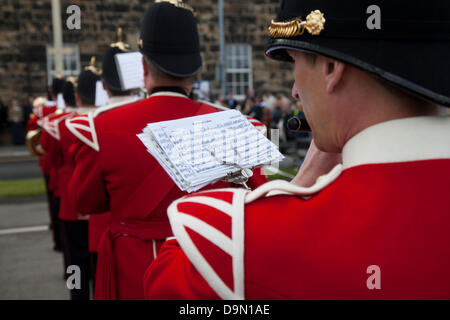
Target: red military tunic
[(98, 222), (124, 179), (376, 227), (59, 144), (50, 142)]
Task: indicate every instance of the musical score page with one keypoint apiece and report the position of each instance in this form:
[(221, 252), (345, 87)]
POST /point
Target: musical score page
[(131, 71), (200, 150)]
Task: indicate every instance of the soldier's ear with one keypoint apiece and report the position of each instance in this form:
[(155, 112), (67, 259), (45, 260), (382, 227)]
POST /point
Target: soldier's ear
[(145, 65), (334, 73), (106, 89), (78, 100)]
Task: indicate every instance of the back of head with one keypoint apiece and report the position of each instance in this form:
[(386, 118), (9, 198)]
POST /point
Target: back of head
[(69, 91), (87, 83), (57, 85)]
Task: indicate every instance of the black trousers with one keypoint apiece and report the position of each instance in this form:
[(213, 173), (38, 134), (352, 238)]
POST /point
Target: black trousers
[(94, 259), (53, 205), (77, 250)]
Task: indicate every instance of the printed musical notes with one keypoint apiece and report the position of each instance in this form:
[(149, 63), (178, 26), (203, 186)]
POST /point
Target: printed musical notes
[(200, 150), (131, 71)]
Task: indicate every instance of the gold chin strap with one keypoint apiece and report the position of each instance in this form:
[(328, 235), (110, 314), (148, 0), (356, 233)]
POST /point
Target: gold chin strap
[(314, 24), (120, 44), (93, 68), (178, 4)]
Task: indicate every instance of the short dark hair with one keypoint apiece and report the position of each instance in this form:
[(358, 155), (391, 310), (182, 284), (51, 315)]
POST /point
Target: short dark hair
[(85, 102), (117, 93), (159, 74)]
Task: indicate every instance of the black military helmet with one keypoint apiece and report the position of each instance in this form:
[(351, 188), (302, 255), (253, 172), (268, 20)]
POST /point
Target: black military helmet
[(87, 82), (57, 85), (110, 74), (69, 91), (404, 42), (169, 38)]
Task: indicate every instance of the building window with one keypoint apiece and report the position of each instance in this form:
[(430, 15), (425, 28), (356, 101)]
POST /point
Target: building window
[(71, 62), (239, 75)]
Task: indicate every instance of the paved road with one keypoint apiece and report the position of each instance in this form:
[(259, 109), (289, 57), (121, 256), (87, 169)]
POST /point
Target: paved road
[(29, 268), (19, 169)]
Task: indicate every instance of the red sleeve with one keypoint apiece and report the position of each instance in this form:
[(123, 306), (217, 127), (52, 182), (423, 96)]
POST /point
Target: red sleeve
[(87, 188), (32, 123), (172, 277)]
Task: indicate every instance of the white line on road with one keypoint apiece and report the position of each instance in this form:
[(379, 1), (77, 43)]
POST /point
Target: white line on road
[(23, 230)]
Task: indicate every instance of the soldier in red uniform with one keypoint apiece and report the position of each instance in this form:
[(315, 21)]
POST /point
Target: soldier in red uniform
[(41, 110), (59, 146), (98, 222), (121, 177), (374, 225)]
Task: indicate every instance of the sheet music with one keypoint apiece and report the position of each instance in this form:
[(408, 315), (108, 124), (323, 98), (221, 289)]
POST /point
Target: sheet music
[(131, 71), (200, 150), (101, 96)]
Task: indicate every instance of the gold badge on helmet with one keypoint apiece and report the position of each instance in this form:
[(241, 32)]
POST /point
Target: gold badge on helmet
[(120, 43), (314, 24), (93, 68)]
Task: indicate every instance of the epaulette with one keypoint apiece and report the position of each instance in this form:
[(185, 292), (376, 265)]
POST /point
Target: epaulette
[(51, 123), (83, 127), (209, 227)]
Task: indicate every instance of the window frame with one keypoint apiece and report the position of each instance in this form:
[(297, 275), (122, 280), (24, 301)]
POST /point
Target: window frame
[(239, 63), (71, 54)]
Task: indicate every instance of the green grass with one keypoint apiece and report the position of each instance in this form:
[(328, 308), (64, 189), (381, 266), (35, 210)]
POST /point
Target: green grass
[(36, 187), (290, 171), (22, 188)]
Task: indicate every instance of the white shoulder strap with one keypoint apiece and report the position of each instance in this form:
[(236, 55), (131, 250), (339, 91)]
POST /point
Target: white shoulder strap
[(180, 219), (283, 187), (121, 103), (52, 126)]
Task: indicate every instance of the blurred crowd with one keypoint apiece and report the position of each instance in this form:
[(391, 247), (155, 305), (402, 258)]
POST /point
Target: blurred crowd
[(13, 119), (274, 110)]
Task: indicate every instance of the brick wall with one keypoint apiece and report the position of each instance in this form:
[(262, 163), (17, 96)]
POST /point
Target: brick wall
[(26, 29)]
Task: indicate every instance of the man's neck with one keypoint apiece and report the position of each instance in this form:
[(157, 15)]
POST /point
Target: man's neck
[(383, 110), (175, 89)]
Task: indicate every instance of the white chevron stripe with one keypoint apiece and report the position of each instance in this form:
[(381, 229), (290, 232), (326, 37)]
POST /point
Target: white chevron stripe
[(221, 205), (207, 231)]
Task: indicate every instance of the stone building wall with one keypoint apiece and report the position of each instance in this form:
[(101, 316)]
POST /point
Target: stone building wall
[(26, 30)]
